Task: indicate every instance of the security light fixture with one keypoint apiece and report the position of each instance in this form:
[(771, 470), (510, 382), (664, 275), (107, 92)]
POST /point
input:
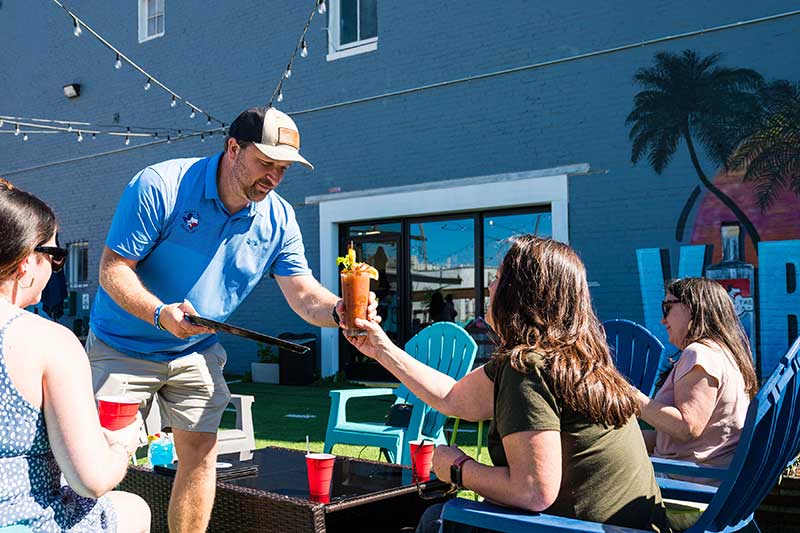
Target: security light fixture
[(72, 90)]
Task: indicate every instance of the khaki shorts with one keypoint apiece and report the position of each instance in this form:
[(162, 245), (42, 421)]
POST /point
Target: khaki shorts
[(191, 390)]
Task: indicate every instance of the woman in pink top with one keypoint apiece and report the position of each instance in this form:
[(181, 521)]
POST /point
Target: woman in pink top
[(699, 411)]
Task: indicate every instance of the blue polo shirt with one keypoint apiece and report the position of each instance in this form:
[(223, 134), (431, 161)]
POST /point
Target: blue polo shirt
[(171, 220)]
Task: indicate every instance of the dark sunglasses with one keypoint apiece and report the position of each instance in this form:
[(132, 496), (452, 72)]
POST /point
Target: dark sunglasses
[(58, 255), (666, 305)]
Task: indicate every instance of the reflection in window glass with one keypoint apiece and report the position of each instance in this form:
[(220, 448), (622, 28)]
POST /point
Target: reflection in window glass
[(496, 233), (369, 19), (348, 21), (442, 272), (78, 264)]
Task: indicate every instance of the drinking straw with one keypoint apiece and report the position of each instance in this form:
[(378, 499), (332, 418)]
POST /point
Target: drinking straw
[(308, 446)]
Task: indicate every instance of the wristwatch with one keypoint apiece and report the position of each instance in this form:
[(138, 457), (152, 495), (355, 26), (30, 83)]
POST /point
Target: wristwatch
[(455, 470), (335, 315)]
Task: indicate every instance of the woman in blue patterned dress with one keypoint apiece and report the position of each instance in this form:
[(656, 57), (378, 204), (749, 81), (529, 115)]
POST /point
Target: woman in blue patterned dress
[(48, 419)]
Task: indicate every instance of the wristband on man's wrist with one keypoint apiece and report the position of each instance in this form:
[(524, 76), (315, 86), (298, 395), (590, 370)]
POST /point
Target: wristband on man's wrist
[(335, 315), (157, 316)]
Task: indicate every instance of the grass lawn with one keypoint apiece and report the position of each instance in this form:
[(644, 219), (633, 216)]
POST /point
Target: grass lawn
[(308, 409)]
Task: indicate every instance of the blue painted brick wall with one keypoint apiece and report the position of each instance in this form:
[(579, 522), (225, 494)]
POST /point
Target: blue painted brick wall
[(226, 56)]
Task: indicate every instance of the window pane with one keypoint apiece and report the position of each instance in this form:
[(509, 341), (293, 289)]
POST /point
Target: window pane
[(496, 232), (78, 264), (348, 21), (369, 19), (442, 272), (152, 7), (160, 24), (151, 26)]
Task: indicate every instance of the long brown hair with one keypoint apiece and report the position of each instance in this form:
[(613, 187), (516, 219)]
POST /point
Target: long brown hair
[(25, 223), (713, 318), (542, 305)]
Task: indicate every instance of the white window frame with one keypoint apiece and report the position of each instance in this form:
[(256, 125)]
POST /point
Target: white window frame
[(338, 51), (143, 36), (76, 253), (500, 191)]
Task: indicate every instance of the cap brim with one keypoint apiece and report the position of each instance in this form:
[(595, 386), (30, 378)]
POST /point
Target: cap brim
[(283, 153)]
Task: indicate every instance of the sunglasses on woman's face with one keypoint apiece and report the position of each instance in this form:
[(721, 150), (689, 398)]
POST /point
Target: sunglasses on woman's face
[(58, 256), (666, 306)]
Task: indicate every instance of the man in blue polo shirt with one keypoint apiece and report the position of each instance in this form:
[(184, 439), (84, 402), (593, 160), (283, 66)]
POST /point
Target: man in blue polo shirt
[(196, 236)]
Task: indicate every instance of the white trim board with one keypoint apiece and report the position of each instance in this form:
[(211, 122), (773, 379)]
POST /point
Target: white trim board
[(540, 187)]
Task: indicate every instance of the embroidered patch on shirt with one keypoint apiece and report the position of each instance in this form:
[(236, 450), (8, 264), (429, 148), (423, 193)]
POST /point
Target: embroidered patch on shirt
[(191, 219)]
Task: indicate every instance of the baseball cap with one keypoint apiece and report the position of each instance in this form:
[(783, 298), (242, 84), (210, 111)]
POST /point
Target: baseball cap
[(272, 132)]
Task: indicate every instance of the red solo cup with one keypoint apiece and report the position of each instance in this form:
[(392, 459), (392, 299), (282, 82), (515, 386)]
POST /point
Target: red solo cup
[(117, 412), (320, 472), (421, 458)]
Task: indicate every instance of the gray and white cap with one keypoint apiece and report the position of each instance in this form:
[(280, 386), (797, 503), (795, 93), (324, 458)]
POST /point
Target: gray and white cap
[(272, 131)]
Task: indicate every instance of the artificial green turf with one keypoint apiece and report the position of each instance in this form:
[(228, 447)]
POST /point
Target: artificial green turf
[(274, 428)]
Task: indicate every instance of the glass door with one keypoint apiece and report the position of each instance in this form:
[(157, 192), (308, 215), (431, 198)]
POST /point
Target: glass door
[(377, 245)]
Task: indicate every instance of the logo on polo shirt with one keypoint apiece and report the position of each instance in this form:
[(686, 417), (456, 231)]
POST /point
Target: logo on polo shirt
[(191, 219)]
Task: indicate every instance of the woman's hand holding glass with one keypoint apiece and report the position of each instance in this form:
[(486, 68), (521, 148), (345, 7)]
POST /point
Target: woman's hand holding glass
[(374, 343)]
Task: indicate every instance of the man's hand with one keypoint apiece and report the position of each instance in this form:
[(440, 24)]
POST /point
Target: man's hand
[(173, 320)]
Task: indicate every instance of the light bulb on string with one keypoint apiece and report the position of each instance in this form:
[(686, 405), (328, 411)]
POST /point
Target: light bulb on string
[(147, 85), (69, 127), (304, 49), (127, 140), (80, 137), (208, 120), (174, 102), (321, 7), (202, 138), (76, 29), (168, 139), (94, 136), (118, 63), (16, 130), (288, 73), (1, 122), (25, 137), (280, 96), (192, 114)]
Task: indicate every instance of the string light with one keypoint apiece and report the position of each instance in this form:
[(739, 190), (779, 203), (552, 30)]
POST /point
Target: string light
[(94, 136), (16, 130), (80, 137), (192, 114), (127, 140), (1, 123), (174, 102), (25, 137), (208, 120), (301, 47), (202, 138), (168, 139), (69, 127), (78, 27)]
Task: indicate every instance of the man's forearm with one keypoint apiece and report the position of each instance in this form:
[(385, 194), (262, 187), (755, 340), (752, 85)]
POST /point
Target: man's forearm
[(124, 286), (317, 307)]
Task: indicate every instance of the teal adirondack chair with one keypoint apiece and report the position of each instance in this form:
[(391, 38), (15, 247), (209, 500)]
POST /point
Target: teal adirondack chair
[(443, 346)]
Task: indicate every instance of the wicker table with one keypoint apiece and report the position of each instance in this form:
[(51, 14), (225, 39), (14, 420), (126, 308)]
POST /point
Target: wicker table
[(365, 496)]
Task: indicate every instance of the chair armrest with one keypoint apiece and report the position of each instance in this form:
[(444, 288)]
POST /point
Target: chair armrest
[(686, 468), (339, 399), (676, 489), (508, 520), (346, 394), (244, 413)]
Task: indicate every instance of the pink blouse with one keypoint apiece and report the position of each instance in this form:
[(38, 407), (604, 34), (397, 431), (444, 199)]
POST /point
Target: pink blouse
[(716, 445)]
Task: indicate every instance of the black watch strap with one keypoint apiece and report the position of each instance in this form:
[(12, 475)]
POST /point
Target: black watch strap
[(335, 315), (456, 474)]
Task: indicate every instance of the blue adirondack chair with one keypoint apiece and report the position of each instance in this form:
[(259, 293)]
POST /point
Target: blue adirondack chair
[(770, 439), (443, 346), (15, 529), (636, 352)]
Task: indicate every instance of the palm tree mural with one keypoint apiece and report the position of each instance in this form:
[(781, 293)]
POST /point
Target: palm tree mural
[(690, 98), (770, 155)]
